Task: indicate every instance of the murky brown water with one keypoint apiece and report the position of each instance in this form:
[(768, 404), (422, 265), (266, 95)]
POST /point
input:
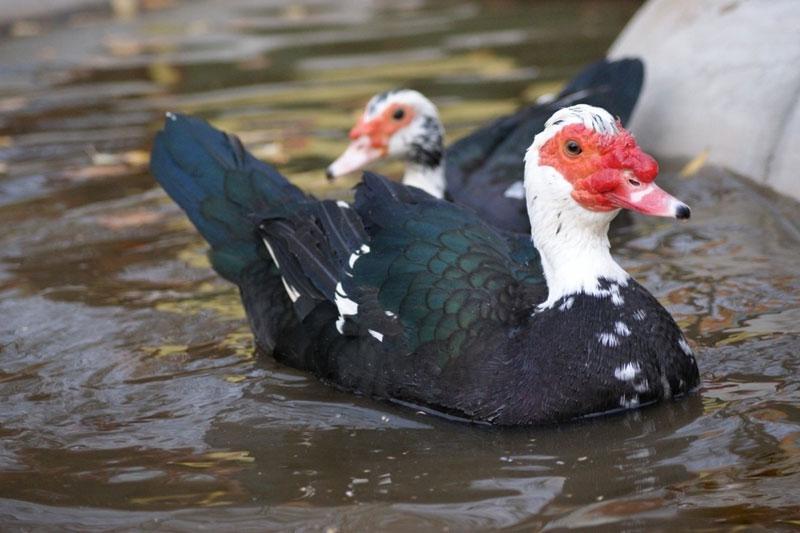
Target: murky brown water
[(130, 394)]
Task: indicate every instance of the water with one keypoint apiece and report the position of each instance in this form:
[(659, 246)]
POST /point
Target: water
[(131, 395)]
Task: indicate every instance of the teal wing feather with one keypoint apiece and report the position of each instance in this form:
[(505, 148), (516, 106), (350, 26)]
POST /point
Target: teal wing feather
[(438, 270)]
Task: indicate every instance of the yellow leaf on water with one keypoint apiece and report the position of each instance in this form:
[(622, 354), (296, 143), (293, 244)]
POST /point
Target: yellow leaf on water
[(170, 349), (235, 378), (208, 499), (101, 158), (12, 103), (692, 167), (137, 158), (295, 12), (134, 158), (125, 9), (240, 456), (25, 28), (164, 73), (128, 219), (241, 342), (96, 172), (197, 464), (194, 257), (213, 499)]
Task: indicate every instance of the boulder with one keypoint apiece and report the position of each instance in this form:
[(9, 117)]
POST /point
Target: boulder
[(723, 76)]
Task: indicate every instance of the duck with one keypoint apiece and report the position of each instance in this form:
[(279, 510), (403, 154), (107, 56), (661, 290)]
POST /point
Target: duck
[(483, 170), (410, 299)]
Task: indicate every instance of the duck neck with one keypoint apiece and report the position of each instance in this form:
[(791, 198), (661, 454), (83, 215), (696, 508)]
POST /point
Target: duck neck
[(572, 241), (428, 178)]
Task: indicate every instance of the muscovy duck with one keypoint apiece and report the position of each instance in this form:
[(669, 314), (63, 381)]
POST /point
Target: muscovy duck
[(415, 300), (484, 169)]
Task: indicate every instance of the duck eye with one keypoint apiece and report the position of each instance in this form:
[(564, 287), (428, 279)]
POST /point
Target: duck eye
[(399, 113), (573, 148), (633, 182)]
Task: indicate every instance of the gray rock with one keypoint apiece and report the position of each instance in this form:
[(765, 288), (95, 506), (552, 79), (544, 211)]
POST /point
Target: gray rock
[(722, 76)]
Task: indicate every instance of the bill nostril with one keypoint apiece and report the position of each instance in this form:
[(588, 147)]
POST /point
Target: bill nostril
[(682, 212)]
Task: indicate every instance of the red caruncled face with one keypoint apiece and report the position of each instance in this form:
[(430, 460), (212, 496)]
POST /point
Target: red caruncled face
[(381, 128), (607, 172)]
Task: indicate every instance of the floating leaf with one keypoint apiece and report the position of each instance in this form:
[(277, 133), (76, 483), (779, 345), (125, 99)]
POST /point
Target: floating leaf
[(166, 350), (125, 9), (129, 219), (25, 28), (692, 167), (197, 464), (240, 456), (164, 74)]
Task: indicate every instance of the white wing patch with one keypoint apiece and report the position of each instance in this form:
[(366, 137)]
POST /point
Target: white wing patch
[(516, 191), (613, 292), (629, 403), (685, 347), (355, 256), (621, 329), (628, 371), (271, 252), (293, 293), (345, 305), (567, 305), (377, 334), (608, 339)]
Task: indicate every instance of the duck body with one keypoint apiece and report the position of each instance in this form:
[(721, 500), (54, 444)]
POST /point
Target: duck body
[(411, 299), (449, 324)]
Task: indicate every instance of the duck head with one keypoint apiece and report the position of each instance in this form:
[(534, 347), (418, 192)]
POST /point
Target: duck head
[(598, 164), (401, 124), (580, 171)]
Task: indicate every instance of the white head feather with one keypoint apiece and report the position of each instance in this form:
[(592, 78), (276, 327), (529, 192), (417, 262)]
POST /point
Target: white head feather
[(420, 143), (572, 240)]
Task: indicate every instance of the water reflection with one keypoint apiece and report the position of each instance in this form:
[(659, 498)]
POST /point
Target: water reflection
[(131, 394)]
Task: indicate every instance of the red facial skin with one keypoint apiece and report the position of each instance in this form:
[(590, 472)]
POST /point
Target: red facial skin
[(610, 172), (381, 128)]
